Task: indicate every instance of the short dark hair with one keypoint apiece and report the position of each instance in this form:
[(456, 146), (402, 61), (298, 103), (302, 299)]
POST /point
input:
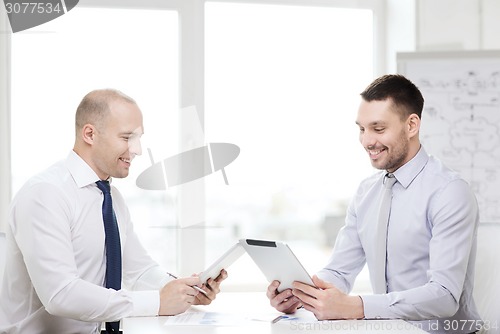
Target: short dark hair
[(405, 96)]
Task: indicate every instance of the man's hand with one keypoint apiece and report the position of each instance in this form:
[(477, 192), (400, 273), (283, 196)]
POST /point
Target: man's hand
[(328, 302), (212, 288), (283, 301), (177, 295)]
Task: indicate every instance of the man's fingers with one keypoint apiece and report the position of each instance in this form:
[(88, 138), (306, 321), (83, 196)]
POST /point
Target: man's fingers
[(289, 305), (272, 289), (281, 297), (222, 276), (307, 289)]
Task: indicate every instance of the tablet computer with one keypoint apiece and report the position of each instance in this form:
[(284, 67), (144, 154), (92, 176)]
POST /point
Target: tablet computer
[(223, 262), (277, 262)]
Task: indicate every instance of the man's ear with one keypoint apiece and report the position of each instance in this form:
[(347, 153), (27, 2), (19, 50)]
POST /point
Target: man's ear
[(88, 132), (413, 124)]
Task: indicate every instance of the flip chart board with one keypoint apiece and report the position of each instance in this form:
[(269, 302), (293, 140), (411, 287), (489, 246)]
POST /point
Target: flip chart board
[(461, 116)]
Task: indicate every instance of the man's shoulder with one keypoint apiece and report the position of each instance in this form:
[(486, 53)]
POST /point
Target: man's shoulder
[(441, 172), (369, 182), (52, 177)]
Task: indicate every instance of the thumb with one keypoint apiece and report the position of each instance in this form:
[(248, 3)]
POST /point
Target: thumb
[(320, 283)]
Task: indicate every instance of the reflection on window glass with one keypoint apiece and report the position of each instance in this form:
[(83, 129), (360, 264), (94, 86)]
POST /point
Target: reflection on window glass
[(57, 63), (283, 83)]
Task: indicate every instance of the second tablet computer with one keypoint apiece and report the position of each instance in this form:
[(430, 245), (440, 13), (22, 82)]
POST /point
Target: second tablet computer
[(223, 262), (277, 262)]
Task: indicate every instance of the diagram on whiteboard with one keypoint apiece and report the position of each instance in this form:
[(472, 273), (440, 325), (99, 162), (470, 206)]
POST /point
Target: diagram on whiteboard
[(461, 124)]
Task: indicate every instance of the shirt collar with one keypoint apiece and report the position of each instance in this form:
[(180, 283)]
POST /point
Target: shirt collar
[(82, 173), (409, 171)]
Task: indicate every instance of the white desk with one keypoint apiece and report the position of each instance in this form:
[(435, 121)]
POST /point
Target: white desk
[(254, 308)]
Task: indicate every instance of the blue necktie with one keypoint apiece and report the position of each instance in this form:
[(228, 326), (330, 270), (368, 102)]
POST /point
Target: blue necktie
[(113, 249)]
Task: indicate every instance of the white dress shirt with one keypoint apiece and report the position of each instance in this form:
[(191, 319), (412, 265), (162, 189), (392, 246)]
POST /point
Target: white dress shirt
[(55, 257), (431, 247)]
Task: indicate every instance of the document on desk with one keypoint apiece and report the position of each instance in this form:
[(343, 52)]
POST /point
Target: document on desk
[(196, 318)]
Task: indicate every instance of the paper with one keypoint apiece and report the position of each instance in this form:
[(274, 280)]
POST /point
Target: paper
[(207, 318), (197, 316)]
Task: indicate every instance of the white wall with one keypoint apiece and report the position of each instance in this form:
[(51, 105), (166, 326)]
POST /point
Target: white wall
[(400, 30), (490, 24), (452, 25), (441, 25)]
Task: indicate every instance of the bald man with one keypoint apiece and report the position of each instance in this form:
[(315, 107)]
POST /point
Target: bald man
[(55, 275)]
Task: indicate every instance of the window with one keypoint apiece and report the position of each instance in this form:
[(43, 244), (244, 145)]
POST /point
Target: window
[(280, 81), (283, 83), (56, 64)]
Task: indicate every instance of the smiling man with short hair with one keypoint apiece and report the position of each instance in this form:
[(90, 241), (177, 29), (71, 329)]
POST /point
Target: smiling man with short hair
[(425, 271)]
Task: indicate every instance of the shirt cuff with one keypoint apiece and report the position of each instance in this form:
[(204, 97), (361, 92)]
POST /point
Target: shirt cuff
[(146, 303), (377, 307)]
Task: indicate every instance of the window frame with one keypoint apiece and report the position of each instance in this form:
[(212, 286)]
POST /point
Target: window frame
[(5, 164)]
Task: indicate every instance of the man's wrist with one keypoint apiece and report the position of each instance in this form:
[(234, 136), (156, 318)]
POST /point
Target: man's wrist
[(360, 309), (355, 308)]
